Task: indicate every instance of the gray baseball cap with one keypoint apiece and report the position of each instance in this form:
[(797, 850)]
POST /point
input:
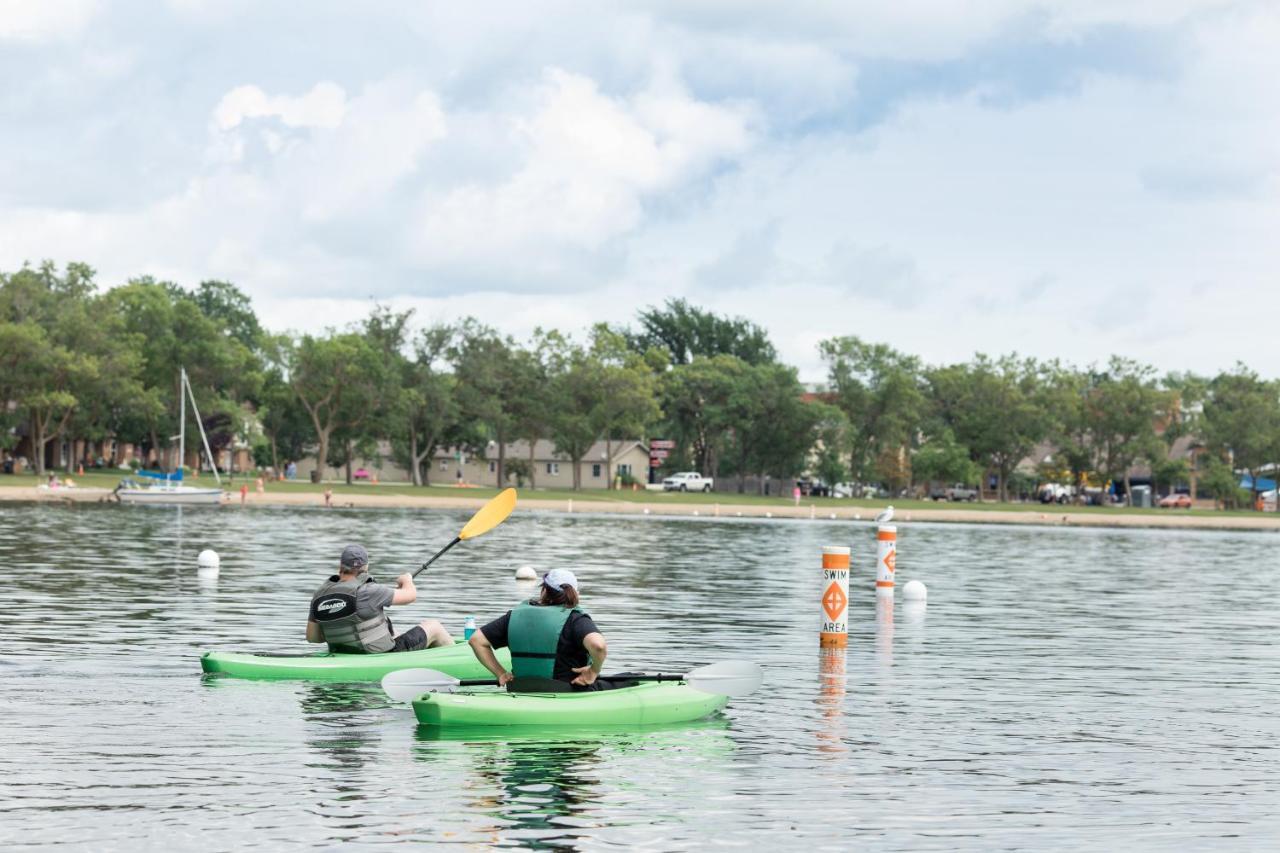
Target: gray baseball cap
[(354, 557), (558, 579)]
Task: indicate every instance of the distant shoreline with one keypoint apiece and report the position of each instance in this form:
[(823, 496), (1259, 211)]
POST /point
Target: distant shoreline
[(1208, 520)]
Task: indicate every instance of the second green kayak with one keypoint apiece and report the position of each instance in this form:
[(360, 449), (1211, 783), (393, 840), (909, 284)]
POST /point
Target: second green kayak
[(456, 660), (648, 703)]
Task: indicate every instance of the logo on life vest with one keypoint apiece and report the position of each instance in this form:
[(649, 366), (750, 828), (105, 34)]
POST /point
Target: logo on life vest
[(330, 604)]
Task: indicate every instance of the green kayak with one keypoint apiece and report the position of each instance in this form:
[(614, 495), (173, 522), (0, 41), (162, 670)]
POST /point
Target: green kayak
[(648, 703), (456, 660)]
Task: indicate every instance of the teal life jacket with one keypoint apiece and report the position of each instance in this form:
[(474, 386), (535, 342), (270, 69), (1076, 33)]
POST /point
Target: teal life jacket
[(333, 608), (533, 636)]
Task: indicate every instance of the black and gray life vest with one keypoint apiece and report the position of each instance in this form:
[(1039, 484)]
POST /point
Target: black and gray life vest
[(334, 609)]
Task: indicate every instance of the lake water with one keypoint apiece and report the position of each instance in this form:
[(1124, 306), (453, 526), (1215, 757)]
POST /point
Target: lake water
[(1063, 688)]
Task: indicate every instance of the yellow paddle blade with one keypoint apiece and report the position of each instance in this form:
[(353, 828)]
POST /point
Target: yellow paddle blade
[(490, 515)]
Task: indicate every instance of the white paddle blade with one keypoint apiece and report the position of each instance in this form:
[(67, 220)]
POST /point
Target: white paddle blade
[(731, 678), (405, 685)]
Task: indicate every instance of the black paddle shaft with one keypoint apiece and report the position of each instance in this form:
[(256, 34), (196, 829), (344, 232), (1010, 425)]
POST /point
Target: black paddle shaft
[(438, 555), (621, 676)]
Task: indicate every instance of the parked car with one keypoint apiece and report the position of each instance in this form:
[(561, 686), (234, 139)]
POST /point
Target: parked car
[(954, 492), (687, 481), (1056, 493), (1178, 501), (814, 488), (360, 474)]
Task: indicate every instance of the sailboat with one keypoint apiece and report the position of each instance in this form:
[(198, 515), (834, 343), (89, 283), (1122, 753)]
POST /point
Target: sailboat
[(168, 488)]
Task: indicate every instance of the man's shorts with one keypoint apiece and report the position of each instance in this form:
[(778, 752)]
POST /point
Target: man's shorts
[(412, 640)]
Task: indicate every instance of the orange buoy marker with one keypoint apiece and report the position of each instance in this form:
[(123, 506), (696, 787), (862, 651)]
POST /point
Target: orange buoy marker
[(835, 597), (886, 559)]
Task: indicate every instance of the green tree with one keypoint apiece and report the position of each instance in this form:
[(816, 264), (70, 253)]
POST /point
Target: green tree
[(995, 408), (428, 412), (785, 427), (231, 311), (1125, 407), (879, 389), (830, 453), (338, 378), (687, 332), (627, 389), (575, 394), (174, 332), (701, 402), (488, 376), (285, 423), (1242, 421), (943, 459)]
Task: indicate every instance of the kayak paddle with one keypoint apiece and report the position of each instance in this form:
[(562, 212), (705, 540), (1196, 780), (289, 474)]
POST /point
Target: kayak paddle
[(727, 678), (486, 518)]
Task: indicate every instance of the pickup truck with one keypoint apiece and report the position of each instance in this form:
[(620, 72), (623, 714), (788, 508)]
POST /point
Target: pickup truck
[(687, 481), (957, 492)]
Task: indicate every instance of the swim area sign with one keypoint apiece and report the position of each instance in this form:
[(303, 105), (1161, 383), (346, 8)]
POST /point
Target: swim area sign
[(834, 632)]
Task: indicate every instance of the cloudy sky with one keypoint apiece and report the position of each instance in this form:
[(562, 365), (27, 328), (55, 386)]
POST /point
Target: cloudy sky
[(1065, 178)]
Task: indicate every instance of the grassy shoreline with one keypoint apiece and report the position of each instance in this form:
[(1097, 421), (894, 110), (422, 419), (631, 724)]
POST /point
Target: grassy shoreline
[(96, 486)]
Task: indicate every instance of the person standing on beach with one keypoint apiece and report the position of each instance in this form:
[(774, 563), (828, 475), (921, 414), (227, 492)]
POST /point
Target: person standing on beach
[(328, 497)]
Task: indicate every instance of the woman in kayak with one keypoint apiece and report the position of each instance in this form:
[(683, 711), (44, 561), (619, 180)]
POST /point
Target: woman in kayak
[(549, 637), (348, 611)]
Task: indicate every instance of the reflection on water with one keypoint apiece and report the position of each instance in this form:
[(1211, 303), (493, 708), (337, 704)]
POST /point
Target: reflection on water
[(1043, 709)]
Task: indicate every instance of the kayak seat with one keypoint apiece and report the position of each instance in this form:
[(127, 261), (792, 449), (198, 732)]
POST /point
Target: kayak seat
[(535, 684)]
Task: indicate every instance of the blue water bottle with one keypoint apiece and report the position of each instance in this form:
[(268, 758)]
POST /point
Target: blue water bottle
[(468, 627)]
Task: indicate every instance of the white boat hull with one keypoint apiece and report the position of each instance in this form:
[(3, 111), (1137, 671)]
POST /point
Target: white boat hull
[(175, 495)]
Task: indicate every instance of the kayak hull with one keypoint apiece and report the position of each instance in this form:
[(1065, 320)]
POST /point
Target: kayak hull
[(648, 703), (456, 660)]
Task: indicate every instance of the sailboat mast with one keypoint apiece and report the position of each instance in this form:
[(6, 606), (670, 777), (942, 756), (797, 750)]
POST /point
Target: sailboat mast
[(182, 419), (203, 437)]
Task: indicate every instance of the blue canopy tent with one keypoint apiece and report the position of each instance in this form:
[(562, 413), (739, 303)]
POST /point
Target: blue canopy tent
[(172, 477), (1264, 484)]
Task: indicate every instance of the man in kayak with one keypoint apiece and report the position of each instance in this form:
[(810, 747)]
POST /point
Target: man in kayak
[(549, 637), (348, 611)]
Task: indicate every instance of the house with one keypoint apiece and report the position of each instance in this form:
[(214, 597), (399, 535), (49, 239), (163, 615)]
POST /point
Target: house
[(550, 470)]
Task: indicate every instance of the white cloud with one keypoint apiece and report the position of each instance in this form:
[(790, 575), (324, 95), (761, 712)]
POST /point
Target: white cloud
[(587, 164), (45, 20), (560, 175), (323, 106)]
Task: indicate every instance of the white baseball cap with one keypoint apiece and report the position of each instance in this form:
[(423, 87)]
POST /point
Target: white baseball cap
[(558, 579)]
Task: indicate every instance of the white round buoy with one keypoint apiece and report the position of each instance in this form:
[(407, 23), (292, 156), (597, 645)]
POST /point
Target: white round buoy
[(646, 512), (833, 516), (526, 573), (915, 591), (857, 516), (695, 512), (207, 563), (768, 515)]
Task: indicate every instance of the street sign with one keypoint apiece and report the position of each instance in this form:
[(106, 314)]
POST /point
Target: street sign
[(662, 444), (659, 454)]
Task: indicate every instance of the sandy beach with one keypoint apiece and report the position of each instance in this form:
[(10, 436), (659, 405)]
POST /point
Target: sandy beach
[(1207, 520)]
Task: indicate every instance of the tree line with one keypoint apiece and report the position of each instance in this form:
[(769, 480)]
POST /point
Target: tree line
[(78, 362)]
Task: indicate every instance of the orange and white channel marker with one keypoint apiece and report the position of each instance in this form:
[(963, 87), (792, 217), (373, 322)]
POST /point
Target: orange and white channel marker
[(835, 597), (886, 559)]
